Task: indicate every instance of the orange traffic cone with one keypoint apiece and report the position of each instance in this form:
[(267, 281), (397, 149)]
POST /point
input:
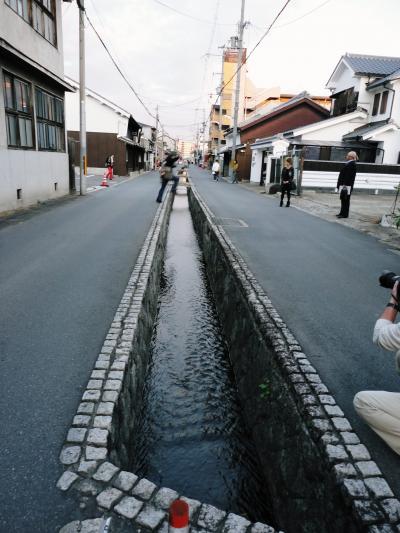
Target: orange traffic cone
[(104, 182)]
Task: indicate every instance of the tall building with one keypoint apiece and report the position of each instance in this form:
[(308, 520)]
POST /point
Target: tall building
[(227, 97), (186, 149)]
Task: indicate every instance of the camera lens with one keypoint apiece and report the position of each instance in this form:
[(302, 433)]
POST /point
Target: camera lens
[(387, 279)]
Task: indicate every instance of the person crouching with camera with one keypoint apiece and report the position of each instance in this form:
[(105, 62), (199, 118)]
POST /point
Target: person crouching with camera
[(381, 409)]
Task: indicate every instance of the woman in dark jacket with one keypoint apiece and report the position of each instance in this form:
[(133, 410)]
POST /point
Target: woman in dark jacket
[(287, 180), (345, 184)]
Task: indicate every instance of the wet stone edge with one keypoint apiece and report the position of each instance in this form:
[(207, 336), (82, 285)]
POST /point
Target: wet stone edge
[(89, 472), (364, 489)]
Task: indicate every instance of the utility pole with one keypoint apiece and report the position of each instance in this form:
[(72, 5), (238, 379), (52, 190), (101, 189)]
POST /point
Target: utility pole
[(82, 99), (237, 90), (220, 104), (204, 136), (156, 146)]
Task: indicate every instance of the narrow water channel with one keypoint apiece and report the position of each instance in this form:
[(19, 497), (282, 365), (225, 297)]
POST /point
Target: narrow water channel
[(192, 437)]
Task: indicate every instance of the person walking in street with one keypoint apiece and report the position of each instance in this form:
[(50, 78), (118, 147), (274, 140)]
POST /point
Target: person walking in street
[(234, 167), (287, 181), (109, 173), (345, 184), (215, 170), (167, 174)]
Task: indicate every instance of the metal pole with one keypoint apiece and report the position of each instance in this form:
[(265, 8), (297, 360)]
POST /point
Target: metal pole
[(82, 99), (220, 107), (237, 90), (156, 147)]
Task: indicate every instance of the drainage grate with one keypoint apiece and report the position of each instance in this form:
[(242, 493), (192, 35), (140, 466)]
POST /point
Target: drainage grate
[(236, 222)]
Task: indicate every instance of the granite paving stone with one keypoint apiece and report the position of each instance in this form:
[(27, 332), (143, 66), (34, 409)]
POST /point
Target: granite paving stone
[(103, 422), (144, 489), (91, 395), (98, 437), (128, 507), (235, 524), (150, 517), (164, 498), (81, 420), (105, 472), (95, 453), (70, 455), (368, 468), (125, 481), (108, 497), (67, 479), (210, 517), (379, 487)]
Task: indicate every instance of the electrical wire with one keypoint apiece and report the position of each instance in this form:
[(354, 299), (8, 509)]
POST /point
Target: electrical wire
[(296, 19), (189, 16), (117, 66)]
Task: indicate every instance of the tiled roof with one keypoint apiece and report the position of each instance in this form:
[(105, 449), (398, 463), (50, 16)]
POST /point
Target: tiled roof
[(372, 65), (366, 128), (381, 81)]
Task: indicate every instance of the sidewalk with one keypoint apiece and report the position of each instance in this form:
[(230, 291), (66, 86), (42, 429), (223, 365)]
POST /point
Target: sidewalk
[(93, 181), (366, 210)]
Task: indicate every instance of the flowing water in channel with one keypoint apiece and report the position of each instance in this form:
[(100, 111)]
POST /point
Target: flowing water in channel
[(191, 436)]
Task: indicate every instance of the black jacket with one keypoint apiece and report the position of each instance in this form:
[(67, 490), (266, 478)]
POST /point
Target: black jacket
[(347, 175), (287, 175)]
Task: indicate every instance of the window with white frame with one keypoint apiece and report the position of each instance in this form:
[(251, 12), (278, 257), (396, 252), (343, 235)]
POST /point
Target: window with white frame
[(50, 121), (40, 14), (18, 108)]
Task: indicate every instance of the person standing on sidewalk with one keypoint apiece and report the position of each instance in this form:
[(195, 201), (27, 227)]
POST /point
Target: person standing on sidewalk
[(215, 170), (286, 181), (345, 184), (234, 167)]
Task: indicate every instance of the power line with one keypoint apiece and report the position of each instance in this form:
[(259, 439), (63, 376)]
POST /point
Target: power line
[(118, 68), (296, 19), (189, 16)]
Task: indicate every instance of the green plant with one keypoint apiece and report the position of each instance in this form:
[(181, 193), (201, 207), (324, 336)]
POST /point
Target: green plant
[(265, 389)]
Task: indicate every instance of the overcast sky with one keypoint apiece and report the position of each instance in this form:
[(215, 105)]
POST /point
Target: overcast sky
[(161, 46)]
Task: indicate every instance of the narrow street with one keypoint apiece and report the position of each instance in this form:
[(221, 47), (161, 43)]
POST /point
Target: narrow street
[(62, 274), (323, 280)]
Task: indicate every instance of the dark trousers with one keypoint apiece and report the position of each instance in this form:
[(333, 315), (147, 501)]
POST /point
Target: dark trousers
[(344, 204), (175, 180), (286, 190)]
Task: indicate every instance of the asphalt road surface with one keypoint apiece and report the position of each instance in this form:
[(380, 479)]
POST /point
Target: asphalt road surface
[(323, 280), (63, 271)]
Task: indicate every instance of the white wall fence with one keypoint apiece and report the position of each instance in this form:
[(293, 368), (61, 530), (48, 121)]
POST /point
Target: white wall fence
[(316, 179)]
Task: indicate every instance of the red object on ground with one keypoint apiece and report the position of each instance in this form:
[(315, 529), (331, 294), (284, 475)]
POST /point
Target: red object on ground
[(179, 515), (104, 181)]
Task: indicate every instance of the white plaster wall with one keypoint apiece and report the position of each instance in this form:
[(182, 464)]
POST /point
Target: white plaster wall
[(256, 165), (33, 172), (391, 145), (332, 132), (16, 31), (99, 118), (317, 179), (365, 98), (346, 80)]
